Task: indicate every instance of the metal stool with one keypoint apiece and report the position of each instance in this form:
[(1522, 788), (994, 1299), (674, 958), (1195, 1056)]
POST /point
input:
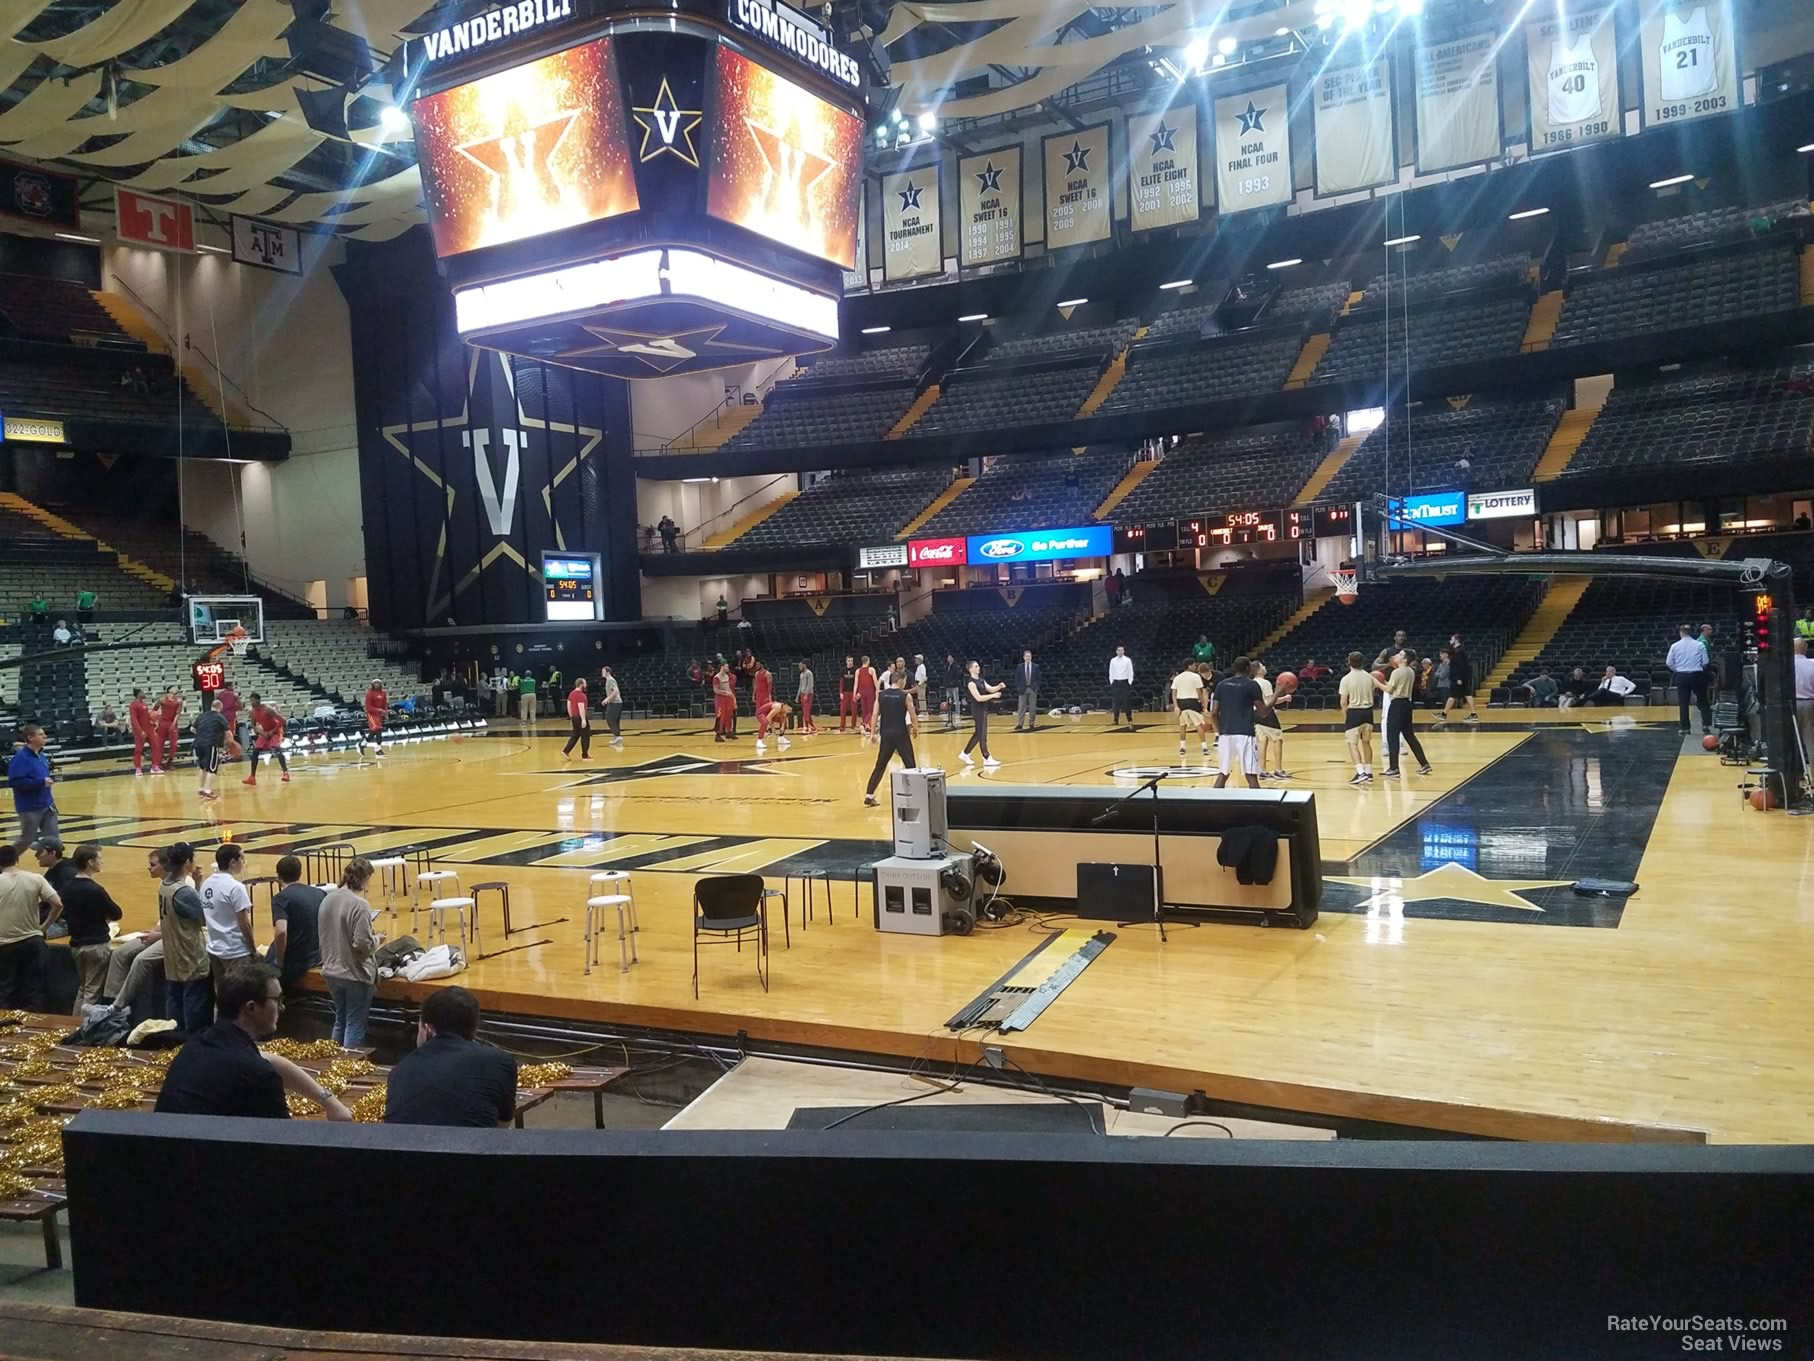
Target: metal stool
[(393, 879), (432, 880), (787, 936), (808, 879), (502, 889), (617, 881), (268, 881), (626, 944), (438, 911), (326, 864)]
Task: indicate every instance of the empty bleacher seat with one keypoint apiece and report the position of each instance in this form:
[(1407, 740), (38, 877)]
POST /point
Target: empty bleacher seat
[(1730, 286)]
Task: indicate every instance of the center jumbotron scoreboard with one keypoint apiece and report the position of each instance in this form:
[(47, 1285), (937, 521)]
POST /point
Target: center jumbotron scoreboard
[(641, 197)]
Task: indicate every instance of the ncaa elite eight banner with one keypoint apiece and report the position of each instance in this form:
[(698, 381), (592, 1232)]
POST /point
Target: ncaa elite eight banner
[(1574, 79), (1078, 192), (1356, 147), (988, 207), (1457, 103), (1690, 61), (1253, 150), (1163, 188), (911, 242)]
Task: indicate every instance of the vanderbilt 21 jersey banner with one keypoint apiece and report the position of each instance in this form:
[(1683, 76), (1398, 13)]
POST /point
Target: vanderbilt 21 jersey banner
[(1574, 79), (1690, 60), (988, 205), (1356, 147), (1078, 192), (1163, 188), (911, 241), (1457, 103), (1253, 150)]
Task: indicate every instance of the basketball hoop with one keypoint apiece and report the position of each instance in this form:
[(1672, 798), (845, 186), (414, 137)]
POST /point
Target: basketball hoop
[(237, 641), (1347, 584)]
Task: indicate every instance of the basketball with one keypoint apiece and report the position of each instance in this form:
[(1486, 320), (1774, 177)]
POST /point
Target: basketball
[(1710, 742), (1285, 683), (1347, 598), (1761, 800), (1380, 676)]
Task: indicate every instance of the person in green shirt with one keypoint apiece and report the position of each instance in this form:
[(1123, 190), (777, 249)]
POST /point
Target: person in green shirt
[(85, 605), (525, 697), (39, 609), (1204, 651)]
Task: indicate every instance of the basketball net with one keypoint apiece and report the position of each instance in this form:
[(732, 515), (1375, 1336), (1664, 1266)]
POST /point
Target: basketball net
[(237, 641), (1347, 584)]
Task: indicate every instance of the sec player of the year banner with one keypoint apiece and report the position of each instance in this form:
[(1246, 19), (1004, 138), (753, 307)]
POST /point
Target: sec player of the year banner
[(911, 244), (1690, 61), (1163, 189), (988, 205), (1352, 125), (1457, 103), (1078, 188), (1253, 150), (1574, 79)]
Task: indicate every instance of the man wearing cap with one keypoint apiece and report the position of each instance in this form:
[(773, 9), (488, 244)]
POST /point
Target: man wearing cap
[(28, 775), (57, 872)]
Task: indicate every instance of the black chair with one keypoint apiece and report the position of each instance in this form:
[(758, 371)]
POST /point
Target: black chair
[(726, 908)]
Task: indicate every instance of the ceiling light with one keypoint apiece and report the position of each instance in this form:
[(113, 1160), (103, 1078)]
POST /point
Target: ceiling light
[(899, 117), (1177, 283), (877, 330), (1409, 9), (85, 240), (975, 316), (1673, 179), (1528, 212), (212, 250), (1074, 302), (1325, 21), (1403, 240), (882, 136), (698, 479), (929, 122), (1218, 60), (1281, 32), (1284, 264), (1805, 149), (393, 119), (1226, 46), (1196, 52)]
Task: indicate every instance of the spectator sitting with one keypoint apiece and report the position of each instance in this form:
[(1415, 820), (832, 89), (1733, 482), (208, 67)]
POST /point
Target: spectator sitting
[(1613, 688), (85, 601), (1543, 690), (61, 635), (1311, 670), (108, 721), (1575, 690), (450, 1079), (1802, 521), (38, 610)]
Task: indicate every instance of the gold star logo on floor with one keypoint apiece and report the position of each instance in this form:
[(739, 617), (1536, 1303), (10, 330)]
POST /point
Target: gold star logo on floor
[(1454, 882)]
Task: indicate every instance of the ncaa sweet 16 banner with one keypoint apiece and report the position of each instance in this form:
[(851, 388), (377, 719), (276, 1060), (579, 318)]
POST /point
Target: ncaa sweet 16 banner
[(1690, 61), (1573, 58), (988, 207), (1457, 102), (912, 244), (1163, 184), (1253, 150), (1078, 192), (1351, 121)]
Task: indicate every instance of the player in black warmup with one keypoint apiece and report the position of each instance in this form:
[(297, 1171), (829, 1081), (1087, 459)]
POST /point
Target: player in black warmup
[(894, 730), (1235, 704)]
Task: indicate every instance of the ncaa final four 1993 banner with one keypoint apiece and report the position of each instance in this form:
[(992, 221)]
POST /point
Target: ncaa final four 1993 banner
[(1690, 52), (1163, 185), (1079, 190), (988, 207), (1253, 150), (912, 242), (1457, 102), (1573, 57), (1351, 123)]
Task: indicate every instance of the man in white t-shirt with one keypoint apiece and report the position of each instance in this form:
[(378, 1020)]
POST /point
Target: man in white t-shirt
[(227, 913), (1187, 698)]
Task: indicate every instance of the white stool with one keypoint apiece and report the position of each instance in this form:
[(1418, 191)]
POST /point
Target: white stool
[(618, 881), (438, 911), (433, 881), (393, 879), (626, 947)]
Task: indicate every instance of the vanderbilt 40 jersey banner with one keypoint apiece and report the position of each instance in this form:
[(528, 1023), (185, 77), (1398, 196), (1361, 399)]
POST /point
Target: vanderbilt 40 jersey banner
[(1253, 150), (1574, 79), (1356, 147), (1690, 60), (911, 241), (988, 205), (1078, 193), (1163, 188), (1457, 103)]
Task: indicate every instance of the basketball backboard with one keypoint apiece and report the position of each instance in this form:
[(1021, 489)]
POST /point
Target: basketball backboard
[(212, 617)]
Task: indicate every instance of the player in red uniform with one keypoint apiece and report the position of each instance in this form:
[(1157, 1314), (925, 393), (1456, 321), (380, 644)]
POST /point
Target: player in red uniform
[(762, 695), (376, 704), (163, 745), (724, 702), (267, 735), (866, 696), (144, 732)]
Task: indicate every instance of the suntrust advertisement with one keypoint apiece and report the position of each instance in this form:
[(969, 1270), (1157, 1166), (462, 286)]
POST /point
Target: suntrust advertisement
[(1041, 545)]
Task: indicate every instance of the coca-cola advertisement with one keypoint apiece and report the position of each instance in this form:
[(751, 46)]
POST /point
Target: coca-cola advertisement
[(936, 553)]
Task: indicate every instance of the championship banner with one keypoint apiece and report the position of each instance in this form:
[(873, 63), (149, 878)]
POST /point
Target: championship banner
[(1574, 79), (1253, 150), (1163, 186), (1078, 188), (146, 220), (40, 196), (1457, 103), (988, 205), (266, 245), (1355, 144), (912, 244), (1690, 61)]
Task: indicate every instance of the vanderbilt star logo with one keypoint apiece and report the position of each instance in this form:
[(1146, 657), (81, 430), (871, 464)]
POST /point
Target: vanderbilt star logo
[(910, 196), (988, 179), (1161, 138), (792, 171), (669, 125), (1250, 119), (1452, 882), (677, 764), (1077, 158), (519, 159), (660, 352)]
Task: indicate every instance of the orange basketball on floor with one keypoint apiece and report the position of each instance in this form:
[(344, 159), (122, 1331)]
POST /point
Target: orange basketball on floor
[(1761, 800), (1710, 742), (1285, 683), (1381, 677)]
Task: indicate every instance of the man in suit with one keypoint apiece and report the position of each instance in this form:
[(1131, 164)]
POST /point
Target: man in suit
[(1026, 690)]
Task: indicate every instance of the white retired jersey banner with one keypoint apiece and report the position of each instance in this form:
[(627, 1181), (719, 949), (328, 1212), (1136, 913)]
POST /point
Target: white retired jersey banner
[(988, 206), (1356, 147), (1457, 103), (911, 240), (1574, 79), (1163, 184), (1253, 150), (1079, 191), (1690, 60)]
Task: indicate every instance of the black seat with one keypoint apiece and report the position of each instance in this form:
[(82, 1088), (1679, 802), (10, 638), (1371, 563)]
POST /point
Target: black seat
[(726, 908)]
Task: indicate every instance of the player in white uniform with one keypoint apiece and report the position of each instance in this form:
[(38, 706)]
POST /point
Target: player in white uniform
[(1574, 81), (1686, 55)]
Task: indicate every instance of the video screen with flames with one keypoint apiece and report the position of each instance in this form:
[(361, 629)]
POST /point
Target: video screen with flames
[(526, 151), (785, 163)]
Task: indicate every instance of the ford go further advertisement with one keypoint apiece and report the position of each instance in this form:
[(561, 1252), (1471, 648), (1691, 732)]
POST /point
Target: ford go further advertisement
[(1042, 545)]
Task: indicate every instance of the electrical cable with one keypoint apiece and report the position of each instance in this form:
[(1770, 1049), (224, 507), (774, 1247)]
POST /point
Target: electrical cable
[(1186, 1124)]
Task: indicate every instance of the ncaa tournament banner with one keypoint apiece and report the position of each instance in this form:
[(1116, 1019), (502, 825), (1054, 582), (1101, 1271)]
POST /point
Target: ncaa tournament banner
[(988, 205), (1690, 53), (1163, 184), (1353, 140), (1253, 150), (911, 239), (1078, 190), (1457, 103), (1574, 79)]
